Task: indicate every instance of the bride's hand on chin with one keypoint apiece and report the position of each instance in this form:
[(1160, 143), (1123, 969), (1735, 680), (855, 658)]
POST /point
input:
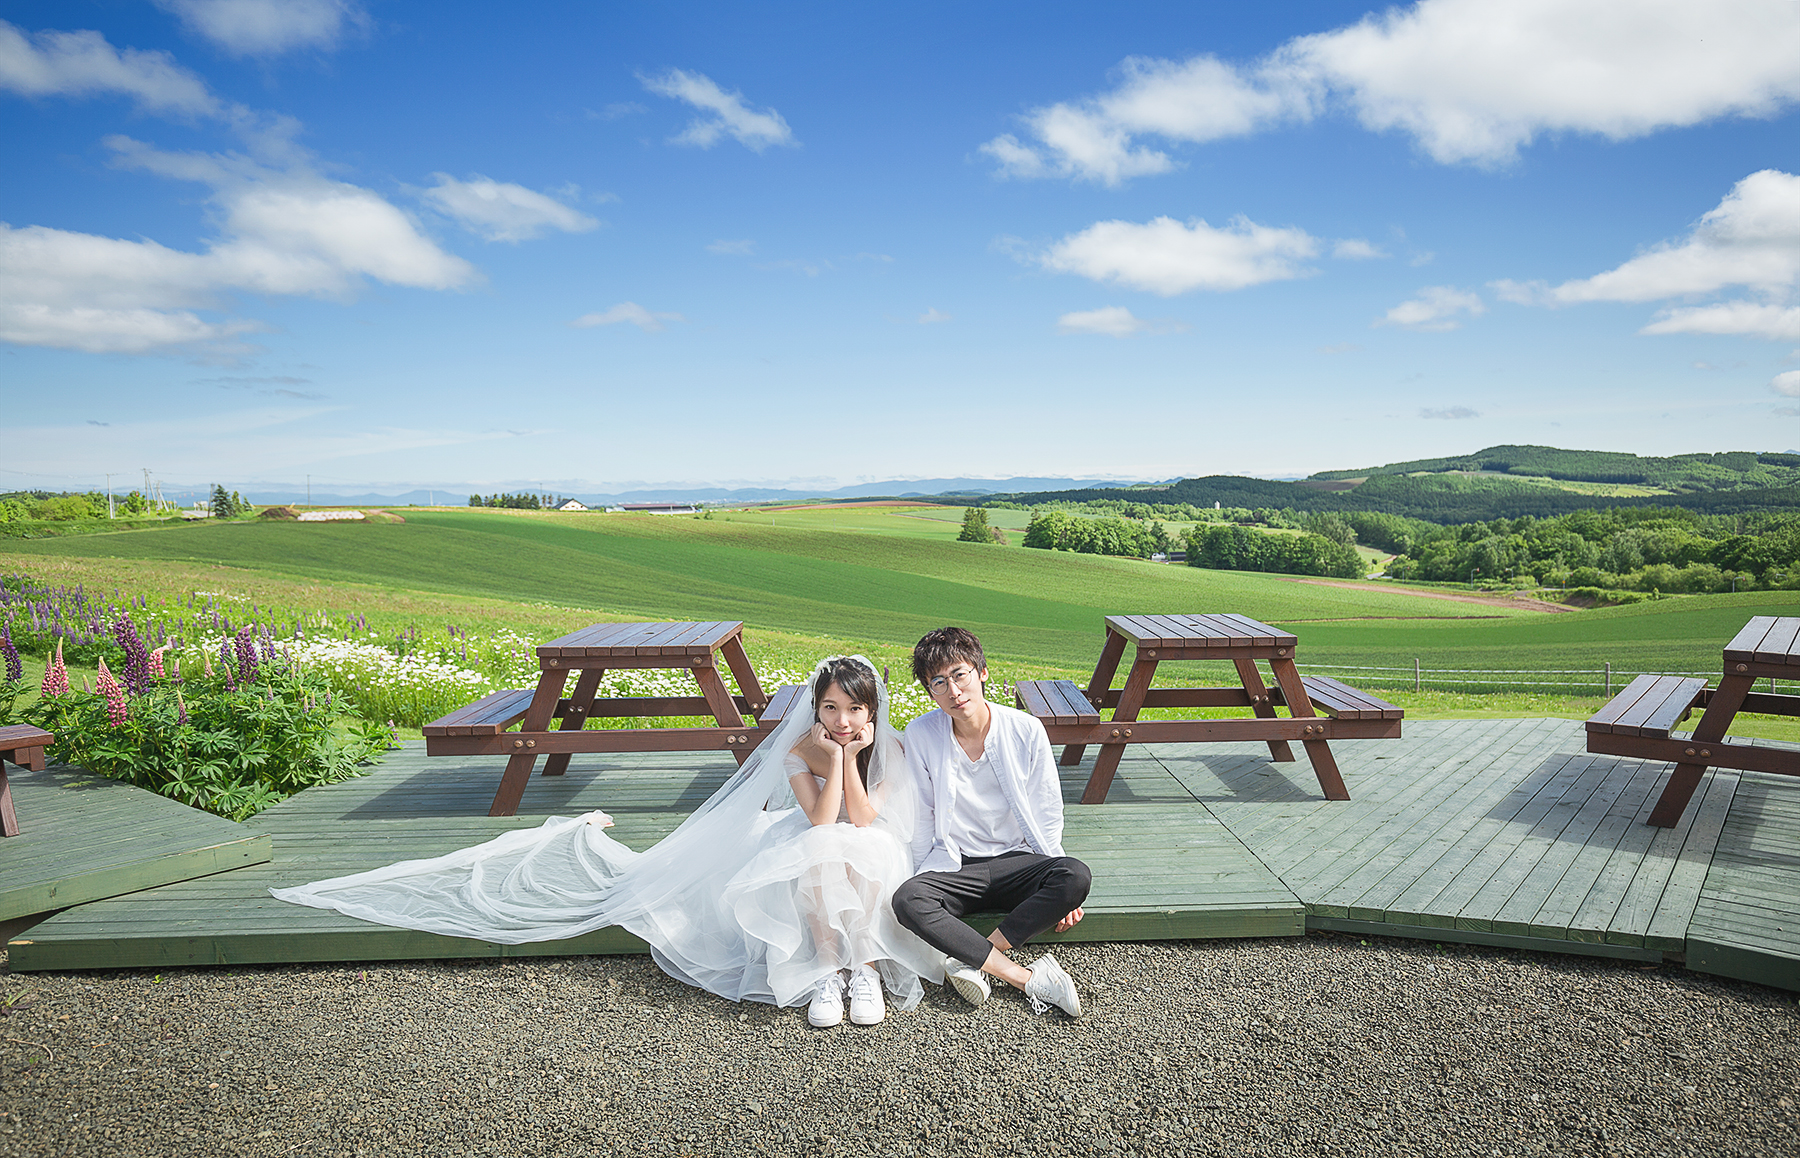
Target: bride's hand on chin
[(863, 738), (822, 740)]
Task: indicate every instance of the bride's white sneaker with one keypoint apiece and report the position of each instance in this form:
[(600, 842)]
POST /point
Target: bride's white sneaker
[(827, 1006), (1051, 985), (867, 1007), (969, 983)]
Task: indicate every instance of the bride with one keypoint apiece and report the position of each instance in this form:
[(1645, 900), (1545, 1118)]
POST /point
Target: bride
[(776, 889)]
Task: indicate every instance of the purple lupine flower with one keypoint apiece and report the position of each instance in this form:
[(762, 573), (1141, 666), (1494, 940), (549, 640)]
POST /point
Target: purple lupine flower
[(246, 655), (180, 708), (137, 657), (15, 669), (226, 659)]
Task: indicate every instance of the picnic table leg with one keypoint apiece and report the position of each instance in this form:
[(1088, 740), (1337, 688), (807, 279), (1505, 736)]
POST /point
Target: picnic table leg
[(1331, 782), (739, 663), (9, 818), (1131, 700), (576, 717), (537, 719), (1098, 686), (1720, 711), (718, 698), (1279, 750)]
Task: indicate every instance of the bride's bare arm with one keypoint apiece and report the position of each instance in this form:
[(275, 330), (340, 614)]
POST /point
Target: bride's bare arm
[(862, 810), (824, 760)]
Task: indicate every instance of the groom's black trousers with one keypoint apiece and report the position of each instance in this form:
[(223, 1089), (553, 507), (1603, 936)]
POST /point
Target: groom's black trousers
[(1035, 892)]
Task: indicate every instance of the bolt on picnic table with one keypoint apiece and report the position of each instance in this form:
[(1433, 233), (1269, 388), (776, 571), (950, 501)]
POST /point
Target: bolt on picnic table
[(481, 727), (1072, 717), (1637, 722)]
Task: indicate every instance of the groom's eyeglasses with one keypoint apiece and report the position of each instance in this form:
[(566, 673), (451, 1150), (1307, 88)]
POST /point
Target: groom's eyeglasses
[(962, 677)]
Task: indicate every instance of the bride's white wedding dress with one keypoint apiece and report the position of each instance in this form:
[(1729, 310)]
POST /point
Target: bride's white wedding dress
[(746, 899)]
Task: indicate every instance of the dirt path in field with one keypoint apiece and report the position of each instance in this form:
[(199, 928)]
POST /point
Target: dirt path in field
[(1513, 601)]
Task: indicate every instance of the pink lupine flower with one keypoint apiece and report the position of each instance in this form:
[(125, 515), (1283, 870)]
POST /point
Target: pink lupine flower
[(116, 711), (106, 684), (56, 676), (156, 662)]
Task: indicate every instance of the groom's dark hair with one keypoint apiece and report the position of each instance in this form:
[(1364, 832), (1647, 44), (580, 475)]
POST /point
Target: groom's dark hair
[(943, 647)]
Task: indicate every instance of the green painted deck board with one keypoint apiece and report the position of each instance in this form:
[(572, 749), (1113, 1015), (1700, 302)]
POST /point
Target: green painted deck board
[(83, 837), (1506, 828)]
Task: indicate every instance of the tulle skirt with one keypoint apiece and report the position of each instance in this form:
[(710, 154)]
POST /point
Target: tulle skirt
[(786, 905)]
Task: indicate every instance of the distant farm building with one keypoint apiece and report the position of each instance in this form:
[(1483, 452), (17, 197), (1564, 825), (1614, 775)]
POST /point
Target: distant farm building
[(330, 516), (573, 505), (656, 508)]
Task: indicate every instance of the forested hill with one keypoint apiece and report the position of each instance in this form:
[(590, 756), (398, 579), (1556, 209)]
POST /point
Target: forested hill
[(1681, 473), (1438, 498)]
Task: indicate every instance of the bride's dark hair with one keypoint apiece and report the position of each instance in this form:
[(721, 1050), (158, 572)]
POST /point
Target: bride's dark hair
[(859, 683)]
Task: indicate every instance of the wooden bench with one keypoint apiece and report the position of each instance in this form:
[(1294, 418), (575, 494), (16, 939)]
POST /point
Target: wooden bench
[(23, 745), (785, 699), (1340, 701), (1055, 702), (1649, 705)]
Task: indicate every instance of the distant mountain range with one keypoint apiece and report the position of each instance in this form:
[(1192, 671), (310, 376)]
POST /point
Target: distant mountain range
[(901, 488)]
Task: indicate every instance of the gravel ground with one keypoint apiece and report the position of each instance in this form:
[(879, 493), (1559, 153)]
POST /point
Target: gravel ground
[(1328, 1044)]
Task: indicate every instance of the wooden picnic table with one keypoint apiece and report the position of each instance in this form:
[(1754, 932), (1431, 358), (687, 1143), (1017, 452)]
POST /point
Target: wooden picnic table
[(23, 745), (1072, 716), (1638, 721), (481, 727)]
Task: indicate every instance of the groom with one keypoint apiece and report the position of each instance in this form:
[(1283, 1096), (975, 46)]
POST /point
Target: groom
[(989, 830)]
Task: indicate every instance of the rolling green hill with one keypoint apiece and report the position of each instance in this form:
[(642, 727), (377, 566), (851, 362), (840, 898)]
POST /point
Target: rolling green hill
[(1032, 606), (1731, 470)]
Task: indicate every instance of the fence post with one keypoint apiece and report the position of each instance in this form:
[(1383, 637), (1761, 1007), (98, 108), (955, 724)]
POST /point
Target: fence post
[(1415, 673), (1609, 678)]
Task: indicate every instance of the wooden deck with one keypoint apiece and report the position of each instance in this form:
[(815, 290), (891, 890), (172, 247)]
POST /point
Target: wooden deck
[(83, 837), (1501, 832)]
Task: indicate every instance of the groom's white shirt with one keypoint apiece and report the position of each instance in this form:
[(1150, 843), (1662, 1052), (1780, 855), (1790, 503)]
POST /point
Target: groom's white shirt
[(1019, 753)]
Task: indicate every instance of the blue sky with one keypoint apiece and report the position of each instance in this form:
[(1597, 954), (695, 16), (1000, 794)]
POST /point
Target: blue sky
[(577, 247)]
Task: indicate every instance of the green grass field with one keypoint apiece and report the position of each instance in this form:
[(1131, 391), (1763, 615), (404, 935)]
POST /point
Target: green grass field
[(854, 584), (808, 585)]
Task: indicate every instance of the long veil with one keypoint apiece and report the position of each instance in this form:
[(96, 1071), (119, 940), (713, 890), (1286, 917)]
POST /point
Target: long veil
[(568, 877)]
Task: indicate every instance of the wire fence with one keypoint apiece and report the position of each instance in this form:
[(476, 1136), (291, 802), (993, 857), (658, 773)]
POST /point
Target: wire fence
[(1603, 680)]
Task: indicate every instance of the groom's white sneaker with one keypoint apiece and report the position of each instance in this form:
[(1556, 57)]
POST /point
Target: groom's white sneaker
[(866, 1004), (827, 1006), (970, 983), (1051, 985)]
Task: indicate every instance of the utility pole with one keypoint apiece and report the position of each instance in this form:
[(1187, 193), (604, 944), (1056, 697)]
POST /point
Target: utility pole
[(309, 490), (146, 484), (109, 503)]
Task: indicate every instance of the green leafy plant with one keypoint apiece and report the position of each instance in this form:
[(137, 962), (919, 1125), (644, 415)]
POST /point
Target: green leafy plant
[(231, 741)]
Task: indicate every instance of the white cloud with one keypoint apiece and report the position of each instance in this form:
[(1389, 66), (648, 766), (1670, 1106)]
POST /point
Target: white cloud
[(733, 248), (1112, 321), (1435, 309), (1167, 257), (1751, 238), (1355, 249), (1449, 413), (1749, 241), (727, 113), (631, 312), (1777, 323), (500, 211), (77, 64), (282, 232), (1787, 382), (933, 316), (1469, 80), (268, 27)]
